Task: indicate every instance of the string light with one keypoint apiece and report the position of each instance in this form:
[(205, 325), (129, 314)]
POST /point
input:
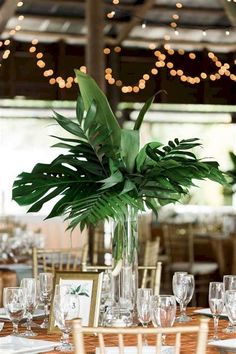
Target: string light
[(11, 33), (144, 25), (222, 69)]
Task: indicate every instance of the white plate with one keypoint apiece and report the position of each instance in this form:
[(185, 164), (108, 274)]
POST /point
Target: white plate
[(207, 312), (19, 345), (133, 350), (229, 344), (4, 316)]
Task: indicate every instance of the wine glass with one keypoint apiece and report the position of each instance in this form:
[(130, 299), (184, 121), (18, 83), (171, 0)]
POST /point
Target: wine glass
[(216, 302), (230, 305), (30, 298), (144, 307), (45, 286), (163, 312), (180, 292), (190, 283), (66, 308), (230, 284), (13, 302)]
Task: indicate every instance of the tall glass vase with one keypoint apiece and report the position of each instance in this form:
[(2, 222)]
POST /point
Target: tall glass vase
[(125, 260)]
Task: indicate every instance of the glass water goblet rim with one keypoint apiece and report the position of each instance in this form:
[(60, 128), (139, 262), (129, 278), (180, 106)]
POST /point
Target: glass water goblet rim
[(216, 282), (230, 291)]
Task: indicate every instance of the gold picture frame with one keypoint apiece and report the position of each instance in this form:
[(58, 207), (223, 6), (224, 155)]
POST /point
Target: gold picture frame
[(90, 307)]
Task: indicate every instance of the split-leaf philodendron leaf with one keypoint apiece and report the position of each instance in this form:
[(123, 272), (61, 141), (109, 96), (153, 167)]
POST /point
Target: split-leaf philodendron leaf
[(103, 169)]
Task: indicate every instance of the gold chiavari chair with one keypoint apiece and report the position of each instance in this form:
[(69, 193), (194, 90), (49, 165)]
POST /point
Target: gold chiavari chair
[(179, 245), (104, 335), (153, 280), (51, 260)]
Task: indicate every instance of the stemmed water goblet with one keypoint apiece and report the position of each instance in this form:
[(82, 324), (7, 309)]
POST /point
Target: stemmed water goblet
[(190, 284), (30, 298), (14, 305), (144, 307), (230, 305), (45, 286), (180, 290), (163, 312), (229, 284), (216, 302), (66, 308)]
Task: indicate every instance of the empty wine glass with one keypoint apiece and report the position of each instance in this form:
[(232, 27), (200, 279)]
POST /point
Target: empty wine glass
[(230, 305), (66, 308), (163, 312), (190, 283), (180, 292), (216, 302), (30, 298), (144, 307), (45, 285), (230, 284), (14, 305)]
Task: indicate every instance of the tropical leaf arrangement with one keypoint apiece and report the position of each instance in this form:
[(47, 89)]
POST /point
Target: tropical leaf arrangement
[(103, 169), (232, 172)]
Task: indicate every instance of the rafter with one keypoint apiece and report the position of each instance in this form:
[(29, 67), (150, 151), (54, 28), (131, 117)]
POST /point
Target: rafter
[(6, 12), (230, 11), (75, 39)]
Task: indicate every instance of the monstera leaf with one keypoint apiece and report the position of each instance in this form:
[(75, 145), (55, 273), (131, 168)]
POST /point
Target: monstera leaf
[(104, 170)]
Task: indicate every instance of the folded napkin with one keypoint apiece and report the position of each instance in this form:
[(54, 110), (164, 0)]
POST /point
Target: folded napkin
[(20, 345), (147, 349), (225, 343)]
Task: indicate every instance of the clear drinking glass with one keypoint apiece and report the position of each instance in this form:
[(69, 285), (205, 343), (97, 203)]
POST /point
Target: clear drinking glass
[(13, 302), (230, 284), (45, 286), (180, 291), (144, 307), (216, 302), (163, 312), (66, 308), (30, 298), (190, 283), (230, 305)]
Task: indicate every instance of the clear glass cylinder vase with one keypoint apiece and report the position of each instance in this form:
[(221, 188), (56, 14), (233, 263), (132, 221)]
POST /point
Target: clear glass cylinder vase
[(125, 261)]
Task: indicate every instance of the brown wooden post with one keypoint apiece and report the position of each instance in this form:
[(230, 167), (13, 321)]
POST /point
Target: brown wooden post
[(95, 60)]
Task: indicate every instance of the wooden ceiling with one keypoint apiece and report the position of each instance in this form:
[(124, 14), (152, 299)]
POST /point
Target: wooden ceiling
[(60, 26)]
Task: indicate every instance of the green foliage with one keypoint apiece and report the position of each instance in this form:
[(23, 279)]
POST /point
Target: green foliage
[(103, 170), (232, 173)]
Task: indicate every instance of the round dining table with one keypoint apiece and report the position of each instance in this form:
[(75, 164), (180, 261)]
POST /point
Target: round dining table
[(91, 342)]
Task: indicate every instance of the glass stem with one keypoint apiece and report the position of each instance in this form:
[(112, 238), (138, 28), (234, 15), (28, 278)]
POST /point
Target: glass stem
[(181, 306), (28, 323), (163, 339), (184, 310), (46, 310), (216, 320), (15, 328), (64, 338)]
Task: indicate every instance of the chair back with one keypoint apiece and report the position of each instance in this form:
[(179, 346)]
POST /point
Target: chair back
[(152, 280), (51, 260), (135, 335), (178, 240)]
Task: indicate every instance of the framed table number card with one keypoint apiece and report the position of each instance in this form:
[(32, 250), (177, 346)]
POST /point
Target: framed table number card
[(87, 285)]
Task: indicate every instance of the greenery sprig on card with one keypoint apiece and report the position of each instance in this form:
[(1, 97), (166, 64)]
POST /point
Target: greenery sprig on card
[(103, 169)]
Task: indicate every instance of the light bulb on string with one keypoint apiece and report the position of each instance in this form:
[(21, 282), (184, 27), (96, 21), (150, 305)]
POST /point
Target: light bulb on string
[(204, 33), (144, 25)]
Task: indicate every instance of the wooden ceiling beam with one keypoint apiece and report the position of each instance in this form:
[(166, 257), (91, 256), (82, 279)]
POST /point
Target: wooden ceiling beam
[(131, 7), (72, 20), (7, 10), (138, 13), (230, 10), (76, 39)]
